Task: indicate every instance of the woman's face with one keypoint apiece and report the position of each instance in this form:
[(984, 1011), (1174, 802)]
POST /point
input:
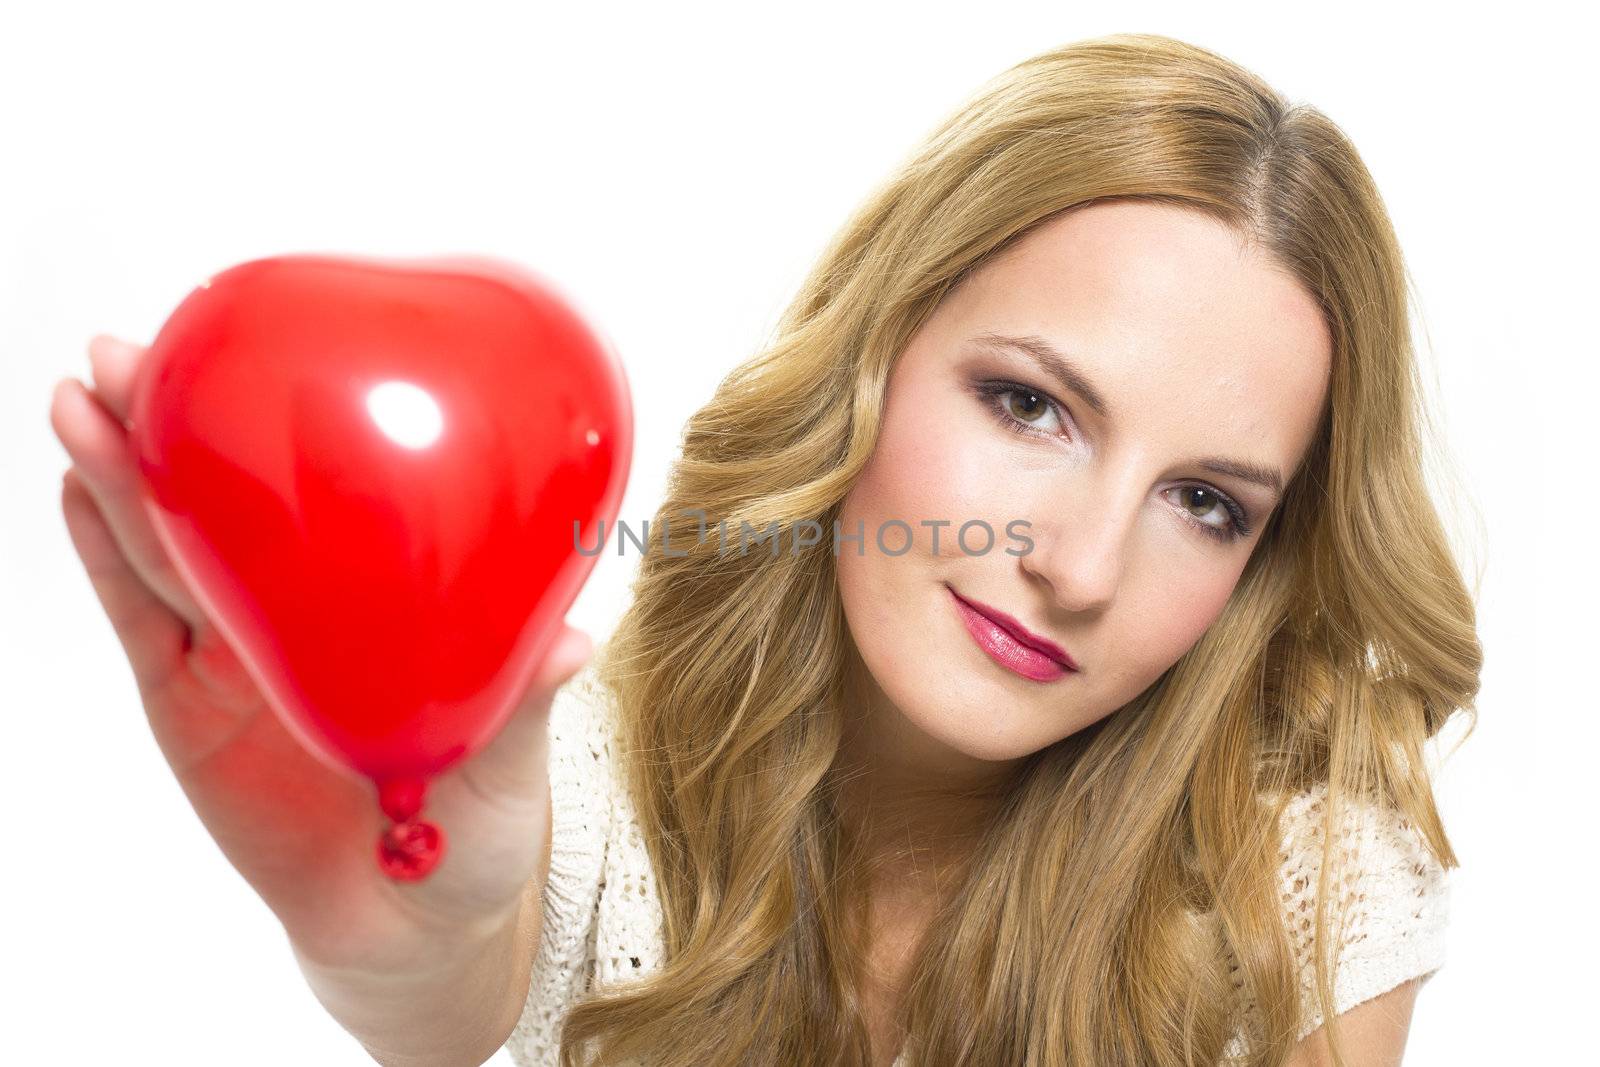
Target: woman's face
[(1197, 361)]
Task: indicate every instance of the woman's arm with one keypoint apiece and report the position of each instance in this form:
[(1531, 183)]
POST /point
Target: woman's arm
[(1373, 1033), (455, 1014)]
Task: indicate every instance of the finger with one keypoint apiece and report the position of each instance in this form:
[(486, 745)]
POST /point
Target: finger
[(101, 452), (151, 634), (114, 363)]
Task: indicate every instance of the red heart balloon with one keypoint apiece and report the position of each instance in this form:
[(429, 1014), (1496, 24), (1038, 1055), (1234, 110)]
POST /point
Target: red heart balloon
[(373, 474)]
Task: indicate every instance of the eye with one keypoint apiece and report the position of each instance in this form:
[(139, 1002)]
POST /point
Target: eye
[(1203, 500), (1035, 413), (1022, 408)]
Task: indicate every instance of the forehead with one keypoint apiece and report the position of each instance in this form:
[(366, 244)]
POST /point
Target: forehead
[(1168, 309)]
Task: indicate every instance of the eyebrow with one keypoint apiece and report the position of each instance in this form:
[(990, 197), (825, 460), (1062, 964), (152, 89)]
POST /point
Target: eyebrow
[(1056, 364)]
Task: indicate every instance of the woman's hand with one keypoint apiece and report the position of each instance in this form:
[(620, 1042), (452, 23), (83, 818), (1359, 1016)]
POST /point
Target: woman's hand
[(300, 833)]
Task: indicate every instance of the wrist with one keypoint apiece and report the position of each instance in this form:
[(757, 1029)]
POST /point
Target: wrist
[(443, 1002)]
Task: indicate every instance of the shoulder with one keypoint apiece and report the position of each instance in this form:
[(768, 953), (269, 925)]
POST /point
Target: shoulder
[(602, 916), (582, 780), (605, 867), (1386, 900), (1386, 904), (628, 936)]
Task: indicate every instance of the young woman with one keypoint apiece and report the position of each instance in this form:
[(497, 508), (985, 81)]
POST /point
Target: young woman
[(1066, 705)]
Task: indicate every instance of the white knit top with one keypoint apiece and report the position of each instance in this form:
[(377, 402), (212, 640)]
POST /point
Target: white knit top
[(602, 915)]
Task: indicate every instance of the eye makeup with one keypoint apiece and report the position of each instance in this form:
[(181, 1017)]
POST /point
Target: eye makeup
[(993, 392)]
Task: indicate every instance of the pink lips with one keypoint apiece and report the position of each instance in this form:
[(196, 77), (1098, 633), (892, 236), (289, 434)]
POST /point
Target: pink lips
[(1011, 644)]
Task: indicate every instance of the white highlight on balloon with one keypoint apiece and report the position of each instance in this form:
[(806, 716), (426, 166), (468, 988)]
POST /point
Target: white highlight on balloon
[(405, 413)]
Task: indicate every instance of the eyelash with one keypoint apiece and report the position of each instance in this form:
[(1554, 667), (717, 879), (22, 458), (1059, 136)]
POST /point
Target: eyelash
[(992, 392)]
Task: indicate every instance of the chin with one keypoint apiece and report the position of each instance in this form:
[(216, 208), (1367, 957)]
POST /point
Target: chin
[(974, 718)]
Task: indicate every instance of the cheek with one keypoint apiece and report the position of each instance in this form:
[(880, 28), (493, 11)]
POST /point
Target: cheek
[(941, 467), (1167, 616), (923, 468)]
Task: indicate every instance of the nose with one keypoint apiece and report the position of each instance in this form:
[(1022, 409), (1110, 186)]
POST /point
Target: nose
[(1079, 556)]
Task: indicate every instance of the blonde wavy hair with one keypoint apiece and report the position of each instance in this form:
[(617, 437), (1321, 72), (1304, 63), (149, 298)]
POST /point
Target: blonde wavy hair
[(1348, 641)]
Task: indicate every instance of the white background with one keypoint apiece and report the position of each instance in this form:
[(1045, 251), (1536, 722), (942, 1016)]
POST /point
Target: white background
[(678, 167)]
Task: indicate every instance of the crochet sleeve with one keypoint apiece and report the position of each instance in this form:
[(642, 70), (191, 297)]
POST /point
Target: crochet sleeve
[(1388, 909), (582, 804)]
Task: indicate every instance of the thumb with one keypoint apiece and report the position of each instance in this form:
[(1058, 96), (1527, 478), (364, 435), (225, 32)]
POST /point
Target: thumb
[(514, 761), (568, 654)]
